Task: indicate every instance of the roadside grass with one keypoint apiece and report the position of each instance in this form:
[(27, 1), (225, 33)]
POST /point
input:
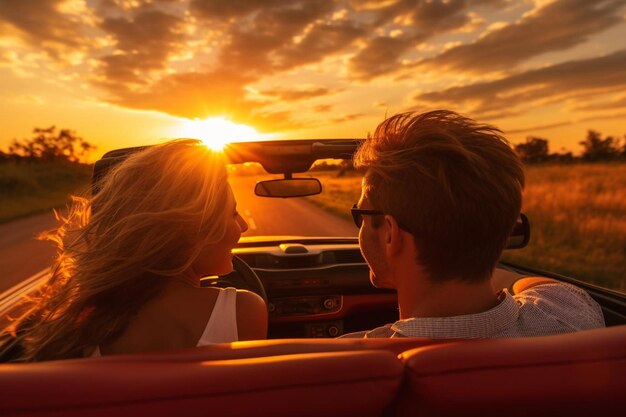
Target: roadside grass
[(577, 214), (338, 193), (30, 188), (578, 222)]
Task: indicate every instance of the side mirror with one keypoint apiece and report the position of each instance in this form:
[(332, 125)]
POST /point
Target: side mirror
[(521, 233), (289, 187)]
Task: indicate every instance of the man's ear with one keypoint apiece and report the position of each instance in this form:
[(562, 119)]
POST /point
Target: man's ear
[(394, 239)]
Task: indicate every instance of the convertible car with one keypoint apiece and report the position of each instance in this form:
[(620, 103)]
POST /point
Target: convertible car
[(304, 260)]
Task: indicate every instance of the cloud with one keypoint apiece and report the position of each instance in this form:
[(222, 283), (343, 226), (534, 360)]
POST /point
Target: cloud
[(604, 105), (116, 6), (284, 35), (417, 21), (298, 94), (320, 42), (44, 24), (218, 93), (220, 9), (148, 30), (557, 26), (605, 116), (380, 56), (142, 44), (250, 50), (323, 108), (347, 117), (541, 127), (199, 58), (525, 90), (28, 99), (432, 17), (266, 38)]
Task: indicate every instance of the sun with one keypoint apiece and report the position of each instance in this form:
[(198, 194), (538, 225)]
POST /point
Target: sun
[(216, 132)]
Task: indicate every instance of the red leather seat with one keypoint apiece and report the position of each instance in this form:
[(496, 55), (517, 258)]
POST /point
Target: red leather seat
[(274, 347), (360, 383), (573, 374)]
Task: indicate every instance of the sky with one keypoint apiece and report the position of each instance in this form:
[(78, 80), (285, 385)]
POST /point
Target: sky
[(135, 72)]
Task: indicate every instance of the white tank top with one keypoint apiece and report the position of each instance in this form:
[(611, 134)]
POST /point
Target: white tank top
[(222, 324)]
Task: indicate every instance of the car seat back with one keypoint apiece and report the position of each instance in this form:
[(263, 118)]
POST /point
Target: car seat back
[(360, 383), (572, 374)]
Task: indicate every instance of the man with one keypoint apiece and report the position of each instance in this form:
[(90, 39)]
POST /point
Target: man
[(440, 196)]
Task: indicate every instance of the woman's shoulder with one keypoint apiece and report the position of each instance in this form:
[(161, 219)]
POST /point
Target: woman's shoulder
[(244, 301), (251, 316), (244, 298), (249, 299), (187, 295)]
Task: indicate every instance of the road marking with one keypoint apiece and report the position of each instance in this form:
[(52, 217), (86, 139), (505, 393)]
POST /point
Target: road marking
[(11, 296)]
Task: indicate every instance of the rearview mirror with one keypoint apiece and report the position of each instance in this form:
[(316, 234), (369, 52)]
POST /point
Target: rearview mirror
[(290, 187), (521, 233)]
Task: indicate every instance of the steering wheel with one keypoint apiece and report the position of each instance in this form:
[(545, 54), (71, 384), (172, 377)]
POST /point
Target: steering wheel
[(242, 277)]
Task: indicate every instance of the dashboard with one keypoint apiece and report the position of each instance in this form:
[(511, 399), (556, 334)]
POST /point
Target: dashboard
[(315, 287)]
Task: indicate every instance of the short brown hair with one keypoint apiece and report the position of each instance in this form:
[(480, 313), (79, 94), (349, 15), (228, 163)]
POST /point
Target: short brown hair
[(453, 183)]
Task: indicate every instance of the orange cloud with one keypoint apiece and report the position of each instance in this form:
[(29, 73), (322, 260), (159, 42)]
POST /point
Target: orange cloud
[(519, 92), (199, 58), (555, 27)]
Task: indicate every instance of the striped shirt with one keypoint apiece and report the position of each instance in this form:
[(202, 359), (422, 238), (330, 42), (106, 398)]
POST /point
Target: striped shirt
[(544, 309)]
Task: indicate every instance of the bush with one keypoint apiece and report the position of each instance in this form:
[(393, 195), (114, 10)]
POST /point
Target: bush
[(32, 187)]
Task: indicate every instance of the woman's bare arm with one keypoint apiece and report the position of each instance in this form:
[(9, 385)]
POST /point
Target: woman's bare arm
[(251, 316), (515, 282)]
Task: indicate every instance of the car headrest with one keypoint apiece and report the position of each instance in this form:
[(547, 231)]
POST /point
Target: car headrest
[(571, 374)]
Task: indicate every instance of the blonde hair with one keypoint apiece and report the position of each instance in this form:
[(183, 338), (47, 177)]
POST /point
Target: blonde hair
[(455, 184), (152, 216)]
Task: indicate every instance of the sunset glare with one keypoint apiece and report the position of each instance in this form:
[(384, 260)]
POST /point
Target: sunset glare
[(217, 132)]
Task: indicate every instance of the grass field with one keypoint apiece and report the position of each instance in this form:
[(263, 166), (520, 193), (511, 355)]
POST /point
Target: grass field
[(29, 188), (577, 214), (578, 222)]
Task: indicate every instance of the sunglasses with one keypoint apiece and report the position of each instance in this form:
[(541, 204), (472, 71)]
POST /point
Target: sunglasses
[(358, 213)]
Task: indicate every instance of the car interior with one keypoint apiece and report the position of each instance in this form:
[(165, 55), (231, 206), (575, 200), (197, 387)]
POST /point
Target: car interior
[(316, 289)]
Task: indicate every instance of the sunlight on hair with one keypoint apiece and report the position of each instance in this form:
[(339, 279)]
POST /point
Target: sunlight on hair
[(216, 132)]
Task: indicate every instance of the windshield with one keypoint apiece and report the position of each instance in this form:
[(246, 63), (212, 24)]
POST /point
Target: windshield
[(325, 214)]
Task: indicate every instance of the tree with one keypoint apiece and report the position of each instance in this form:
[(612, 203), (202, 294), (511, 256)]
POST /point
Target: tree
[(598, 149), (324, 166), (533, 150), (344, 167), (47, 144), (564, 157)]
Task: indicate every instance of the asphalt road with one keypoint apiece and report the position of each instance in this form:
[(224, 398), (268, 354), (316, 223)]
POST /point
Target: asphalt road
[(22, 255), (285, 216)]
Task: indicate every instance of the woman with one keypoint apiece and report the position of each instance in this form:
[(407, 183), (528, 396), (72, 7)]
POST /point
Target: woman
[(127, 277)]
